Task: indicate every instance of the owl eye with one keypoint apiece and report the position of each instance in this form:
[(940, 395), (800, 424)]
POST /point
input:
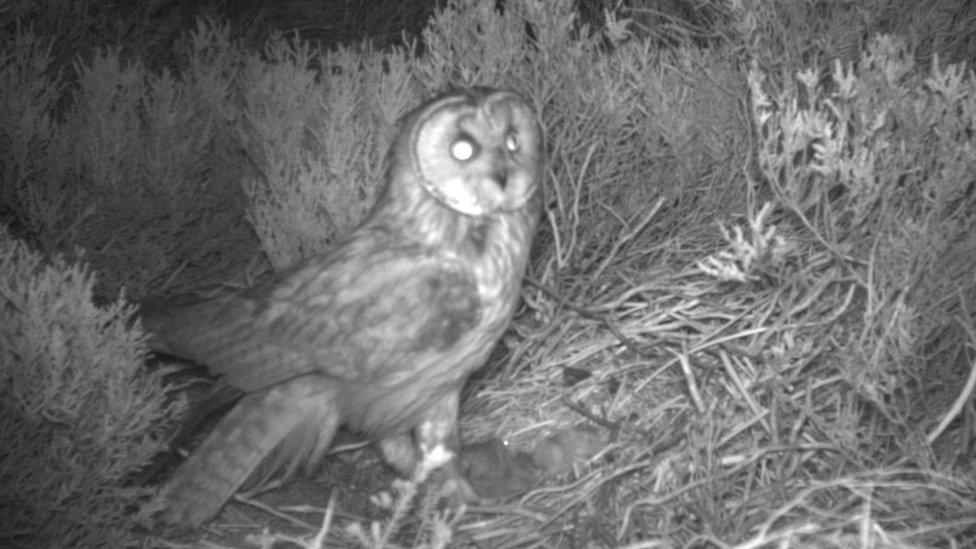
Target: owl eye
[(511, 142), (462, 149)]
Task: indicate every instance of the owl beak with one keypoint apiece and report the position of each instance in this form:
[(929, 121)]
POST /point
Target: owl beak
[(501, 178)]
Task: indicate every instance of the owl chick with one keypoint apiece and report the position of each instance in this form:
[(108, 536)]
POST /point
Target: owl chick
[(380, 332)]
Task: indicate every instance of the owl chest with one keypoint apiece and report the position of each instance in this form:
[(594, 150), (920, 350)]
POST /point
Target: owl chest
[(411, 384)]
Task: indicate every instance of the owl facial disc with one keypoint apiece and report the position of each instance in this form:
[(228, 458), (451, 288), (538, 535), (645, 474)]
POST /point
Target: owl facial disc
[(478, 154)]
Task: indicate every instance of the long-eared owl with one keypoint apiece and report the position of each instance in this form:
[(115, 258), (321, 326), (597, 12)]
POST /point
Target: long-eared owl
[(379, 332)]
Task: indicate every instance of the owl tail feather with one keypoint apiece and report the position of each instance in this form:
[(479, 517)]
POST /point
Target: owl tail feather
[(268, 432)]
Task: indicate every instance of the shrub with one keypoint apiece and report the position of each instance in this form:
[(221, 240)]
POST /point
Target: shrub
[(137, 169), (877, 167), (79, 413), (317, 128)]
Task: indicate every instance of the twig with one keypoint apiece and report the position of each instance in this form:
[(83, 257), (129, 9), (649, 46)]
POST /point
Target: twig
[(964, 396)]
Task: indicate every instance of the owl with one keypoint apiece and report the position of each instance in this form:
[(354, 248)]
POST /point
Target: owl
[(380, 332)]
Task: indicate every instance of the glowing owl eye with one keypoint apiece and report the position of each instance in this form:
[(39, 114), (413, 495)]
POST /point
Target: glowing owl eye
[(462, 149), (511, 142)]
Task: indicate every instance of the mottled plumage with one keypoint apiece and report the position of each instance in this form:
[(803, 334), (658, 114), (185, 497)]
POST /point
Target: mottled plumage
[(380, 332)]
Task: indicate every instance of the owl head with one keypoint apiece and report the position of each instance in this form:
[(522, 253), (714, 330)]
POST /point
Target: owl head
[(476, 151)]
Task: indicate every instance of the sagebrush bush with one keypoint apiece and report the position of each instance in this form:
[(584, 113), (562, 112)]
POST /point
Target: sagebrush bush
[(317, 127), (138, 168), (783, 35), (877, 166), (79, 412)]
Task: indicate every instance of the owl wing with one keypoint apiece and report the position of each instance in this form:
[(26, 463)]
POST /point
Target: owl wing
[(346, 318)]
